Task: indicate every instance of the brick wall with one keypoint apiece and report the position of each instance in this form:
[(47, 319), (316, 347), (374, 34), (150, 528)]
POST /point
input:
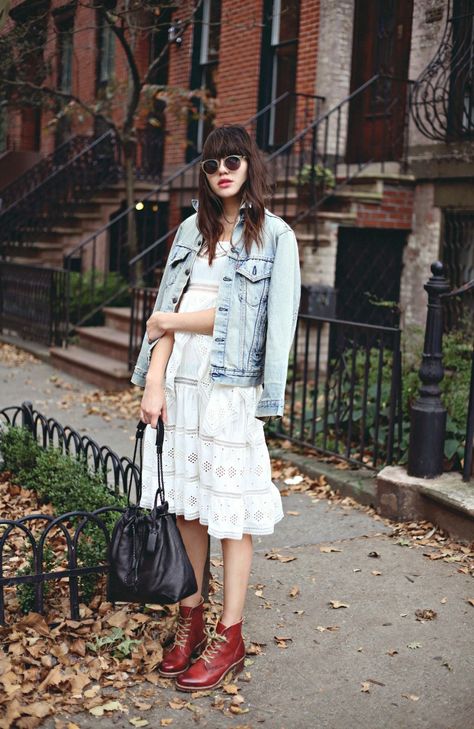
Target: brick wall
[(239, 60), (394, 211), (307, 56)]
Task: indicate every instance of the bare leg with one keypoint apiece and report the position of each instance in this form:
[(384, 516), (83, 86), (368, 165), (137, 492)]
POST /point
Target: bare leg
[(237, 554), (195, 540)]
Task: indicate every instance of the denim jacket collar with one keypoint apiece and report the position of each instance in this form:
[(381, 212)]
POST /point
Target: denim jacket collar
[(236, 248)]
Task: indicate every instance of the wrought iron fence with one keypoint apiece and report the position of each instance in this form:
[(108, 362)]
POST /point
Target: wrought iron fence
[(70, 178), (32, 302), (344, 391), (119, 474), (442, 104), (458, 259), (468, 468)]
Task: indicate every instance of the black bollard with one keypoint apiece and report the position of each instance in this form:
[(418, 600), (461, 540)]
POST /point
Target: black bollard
[(428, 416)]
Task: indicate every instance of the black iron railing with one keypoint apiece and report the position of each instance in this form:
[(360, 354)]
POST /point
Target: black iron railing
[(40, 172), (442, 103), (344, 385), (181, 186), (119, 474), (73, 180), (468, 467), (32, 302), (320, 160), (344, 391)]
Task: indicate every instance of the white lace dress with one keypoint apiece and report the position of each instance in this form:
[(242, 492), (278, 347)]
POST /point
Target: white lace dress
[(216, 465)]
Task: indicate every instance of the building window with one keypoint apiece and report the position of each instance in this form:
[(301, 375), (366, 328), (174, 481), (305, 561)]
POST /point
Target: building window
[(106, 53), (65, 48), (278, 70), (204, 70)]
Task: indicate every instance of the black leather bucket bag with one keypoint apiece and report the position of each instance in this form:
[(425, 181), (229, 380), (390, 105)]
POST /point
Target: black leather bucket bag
[(147, 557)]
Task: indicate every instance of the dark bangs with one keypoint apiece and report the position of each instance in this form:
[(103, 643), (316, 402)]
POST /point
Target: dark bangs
[(225, 141)]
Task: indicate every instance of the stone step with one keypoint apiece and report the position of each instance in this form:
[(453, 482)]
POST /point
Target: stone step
[(105, 340), (104, 372), (117, 317)]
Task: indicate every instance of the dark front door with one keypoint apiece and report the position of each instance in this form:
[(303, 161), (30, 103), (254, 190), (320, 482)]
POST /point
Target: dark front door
[(381, 45), (368, 272)]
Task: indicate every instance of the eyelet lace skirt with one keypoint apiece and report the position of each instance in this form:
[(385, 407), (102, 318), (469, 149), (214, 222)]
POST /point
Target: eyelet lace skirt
[(216, 465)]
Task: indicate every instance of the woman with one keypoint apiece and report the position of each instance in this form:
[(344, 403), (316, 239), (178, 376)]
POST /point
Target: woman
[(214, 366)]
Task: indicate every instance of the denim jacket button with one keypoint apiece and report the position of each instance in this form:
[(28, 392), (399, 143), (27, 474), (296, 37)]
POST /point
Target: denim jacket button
[(187, 271), (174, 299)]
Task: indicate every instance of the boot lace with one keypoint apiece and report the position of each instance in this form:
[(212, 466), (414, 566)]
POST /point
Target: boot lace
[(182, 632), (212, 647)]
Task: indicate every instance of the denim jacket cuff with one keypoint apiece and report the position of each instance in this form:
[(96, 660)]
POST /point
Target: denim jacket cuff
[(267, 407), (138, 377)]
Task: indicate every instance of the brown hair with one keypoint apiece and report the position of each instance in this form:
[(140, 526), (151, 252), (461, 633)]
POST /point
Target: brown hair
[(222, 142)]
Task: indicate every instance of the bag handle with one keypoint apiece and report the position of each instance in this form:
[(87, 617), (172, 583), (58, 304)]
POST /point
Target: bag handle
[(160, 433)]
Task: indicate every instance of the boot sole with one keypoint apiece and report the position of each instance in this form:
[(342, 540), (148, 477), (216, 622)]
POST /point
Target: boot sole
[(235, 668), (194, 656)]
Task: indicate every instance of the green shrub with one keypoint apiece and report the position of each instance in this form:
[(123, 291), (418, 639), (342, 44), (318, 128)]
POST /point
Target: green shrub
[(90, 289), (19, 451), (69, 485)]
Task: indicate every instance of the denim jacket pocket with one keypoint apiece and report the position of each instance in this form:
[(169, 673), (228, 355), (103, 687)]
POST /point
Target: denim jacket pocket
[(255, 280)]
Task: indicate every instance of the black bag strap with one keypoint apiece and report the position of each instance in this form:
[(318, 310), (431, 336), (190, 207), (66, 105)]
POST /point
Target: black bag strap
[(160, 490)]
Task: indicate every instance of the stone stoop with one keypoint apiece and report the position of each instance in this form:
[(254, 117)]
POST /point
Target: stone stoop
[(100, 356), (446, 501), (80, 220)]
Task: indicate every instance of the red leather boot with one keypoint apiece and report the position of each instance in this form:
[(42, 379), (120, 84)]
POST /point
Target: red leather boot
[(189, 640), (225, 652)]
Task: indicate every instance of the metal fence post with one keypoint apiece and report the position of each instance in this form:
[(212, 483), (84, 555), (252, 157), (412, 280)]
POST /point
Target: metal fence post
[(428, 416), (27, 416)]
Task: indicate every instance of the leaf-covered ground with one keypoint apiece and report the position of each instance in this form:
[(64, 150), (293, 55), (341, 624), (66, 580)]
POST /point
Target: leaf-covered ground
[(106, 661)]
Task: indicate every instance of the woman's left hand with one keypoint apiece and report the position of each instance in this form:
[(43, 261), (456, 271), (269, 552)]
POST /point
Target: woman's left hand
[(158, 324)]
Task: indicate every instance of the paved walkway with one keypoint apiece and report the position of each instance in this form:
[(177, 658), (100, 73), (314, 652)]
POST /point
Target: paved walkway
[(371, 664)]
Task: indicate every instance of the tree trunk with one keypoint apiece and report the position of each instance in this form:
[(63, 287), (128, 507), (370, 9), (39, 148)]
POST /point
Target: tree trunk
[(131, 243)]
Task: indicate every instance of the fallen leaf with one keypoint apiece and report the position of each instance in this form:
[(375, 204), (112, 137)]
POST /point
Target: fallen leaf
[(293, 513), (426, 614), (108, 706), (329, 549), (293, 480), (138, 722), (280, 557), (413, 697), (376, 573), (294, 591), (392, 652), (414, 645), (365, 687), (231, 688), (166, 722), (337, 604)]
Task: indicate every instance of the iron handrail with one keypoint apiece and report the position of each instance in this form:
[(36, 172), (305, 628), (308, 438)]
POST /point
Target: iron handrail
[(59, 170), (9, 191)]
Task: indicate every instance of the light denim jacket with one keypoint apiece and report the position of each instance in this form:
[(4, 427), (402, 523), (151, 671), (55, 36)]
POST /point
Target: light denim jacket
[(256, 308)]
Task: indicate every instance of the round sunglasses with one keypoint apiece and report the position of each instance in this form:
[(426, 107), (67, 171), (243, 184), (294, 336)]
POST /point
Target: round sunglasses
[(232, 163)]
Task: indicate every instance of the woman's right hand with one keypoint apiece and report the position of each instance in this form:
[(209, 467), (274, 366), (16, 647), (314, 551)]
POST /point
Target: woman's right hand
[(153, 405)]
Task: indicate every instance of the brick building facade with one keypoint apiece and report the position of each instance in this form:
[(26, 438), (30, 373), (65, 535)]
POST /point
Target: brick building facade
[(387, 206)]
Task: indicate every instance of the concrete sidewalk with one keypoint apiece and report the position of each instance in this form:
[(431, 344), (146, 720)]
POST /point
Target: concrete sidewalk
[(370, 664)]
